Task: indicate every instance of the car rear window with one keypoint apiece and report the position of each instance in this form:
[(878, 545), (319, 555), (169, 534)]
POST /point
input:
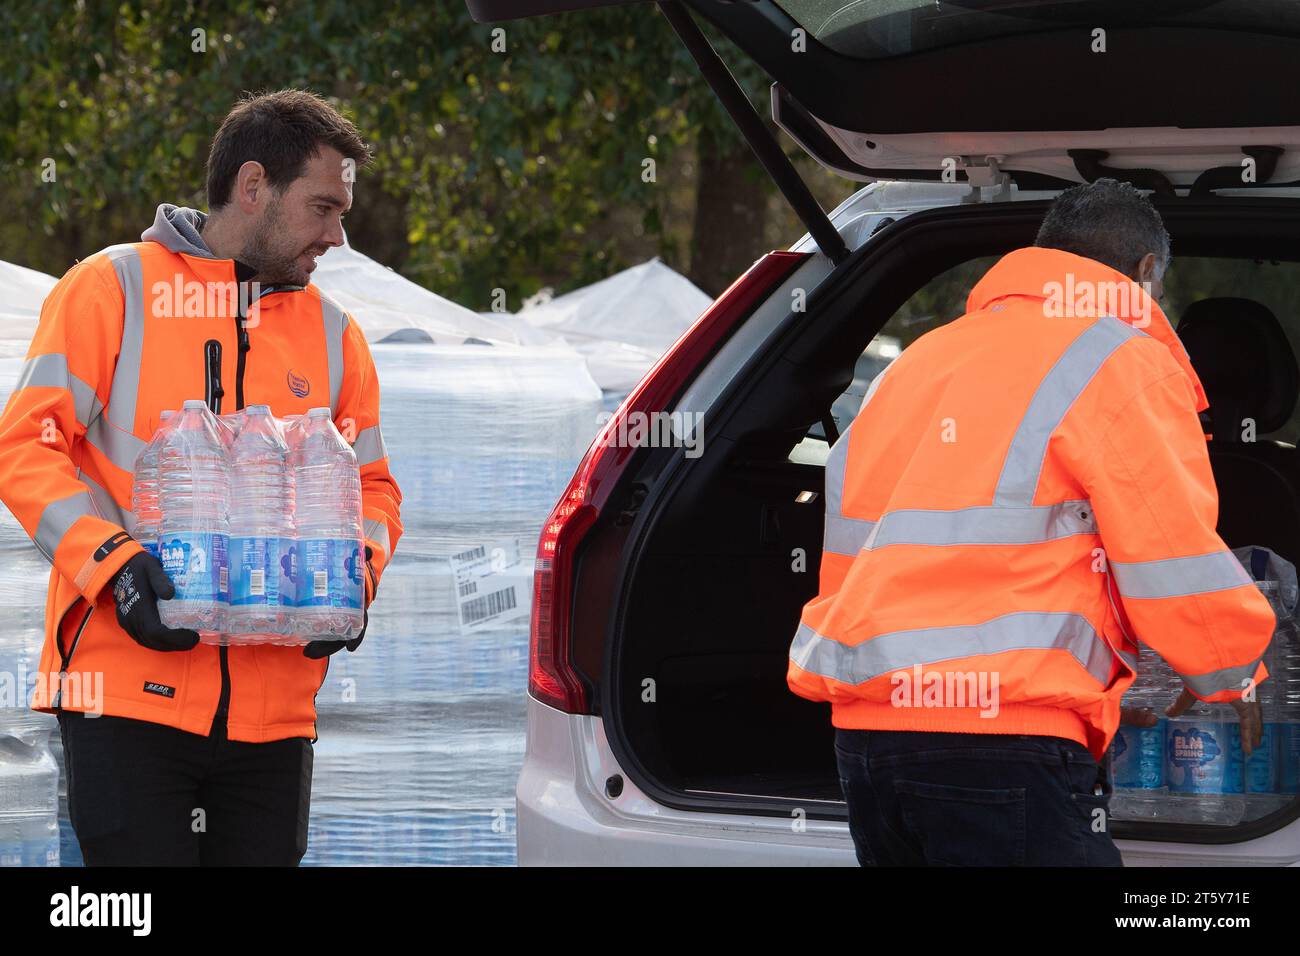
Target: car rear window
[(872, 29)]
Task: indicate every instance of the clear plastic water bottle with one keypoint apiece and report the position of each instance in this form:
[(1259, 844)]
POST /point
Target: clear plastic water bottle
[(1284, 669), (1198, 766), (1138, 753), (144, 491), (1257, 776), (29, 798), (262, 594), (194, 496), (230, 424), (331, 560)]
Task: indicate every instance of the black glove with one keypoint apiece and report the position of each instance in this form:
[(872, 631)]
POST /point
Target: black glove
[(318, 649), (136, 589)]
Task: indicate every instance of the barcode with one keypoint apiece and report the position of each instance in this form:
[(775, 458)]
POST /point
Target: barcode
[(223, 579), (489, 604), (470, 555), (467, 588), (320, 584), (257, 581)]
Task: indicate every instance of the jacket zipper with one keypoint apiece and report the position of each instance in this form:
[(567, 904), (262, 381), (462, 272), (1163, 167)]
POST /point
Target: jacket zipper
[(57, 702), (221, 718), (212, 362)]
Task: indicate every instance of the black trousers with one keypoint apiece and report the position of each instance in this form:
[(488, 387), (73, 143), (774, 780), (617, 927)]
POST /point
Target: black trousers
[(143, 794), (945, 799)]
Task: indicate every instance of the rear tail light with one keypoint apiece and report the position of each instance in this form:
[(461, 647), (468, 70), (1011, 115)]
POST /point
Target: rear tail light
[(552, 678)]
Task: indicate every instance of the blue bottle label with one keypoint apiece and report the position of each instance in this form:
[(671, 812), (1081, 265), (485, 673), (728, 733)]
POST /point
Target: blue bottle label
[(1138, 757), (151, 547), (288, 570), (331, 572), (254, 571), (1196, 757), (198, 564), (43, 851), (1256, 773), (1288, 752)]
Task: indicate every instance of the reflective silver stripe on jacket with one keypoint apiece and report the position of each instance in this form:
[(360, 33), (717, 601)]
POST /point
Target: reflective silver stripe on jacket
[(900, 650), (991, 524), (51, 370), (57, 519), (845, 535), (369, 446), (105, 506), (842, 535), (1179, 577), (335, 321), (1060, 387), (377, 531), (113, 432), (1229, 678)]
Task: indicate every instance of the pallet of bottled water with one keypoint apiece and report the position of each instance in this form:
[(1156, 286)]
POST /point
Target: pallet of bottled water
[(1193, 768), (257, 521)]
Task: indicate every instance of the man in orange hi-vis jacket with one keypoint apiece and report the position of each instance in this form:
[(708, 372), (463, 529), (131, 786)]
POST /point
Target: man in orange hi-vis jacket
[(1025, 492), (179, 752)]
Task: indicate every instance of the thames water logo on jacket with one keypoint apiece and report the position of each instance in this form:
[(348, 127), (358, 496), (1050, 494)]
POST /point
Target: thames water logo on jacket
[(298, 384)]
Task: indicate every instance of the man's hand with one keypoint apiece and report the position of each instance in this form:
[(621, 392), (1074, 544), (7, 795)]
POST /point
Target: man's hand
[(1138, 716), (136, 590), (1248, 712), (318, 649)]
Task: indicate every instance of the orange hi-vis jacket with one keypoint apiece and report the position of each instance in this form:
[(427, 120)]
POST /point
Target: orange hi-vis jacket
[(128, 333), (1000, 473)]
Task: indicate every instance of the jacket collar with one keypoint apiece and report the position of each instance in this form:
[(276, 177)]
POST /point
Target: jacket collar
[(179, 229), (1069, 285)]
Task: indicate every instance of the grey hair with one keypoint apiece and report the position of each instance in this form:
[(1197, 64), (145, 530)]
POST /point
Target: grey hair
[(1108, 221)]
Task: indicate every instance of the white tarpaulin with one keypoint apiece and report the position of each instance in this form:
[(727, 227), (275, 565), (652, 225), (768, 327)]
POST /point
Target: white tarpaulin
[(622, 324), (384, 302), (22, 291)]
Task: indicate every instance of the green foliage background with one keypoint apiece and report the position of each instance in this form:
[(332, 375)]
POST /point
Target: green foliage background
[(516, 170)]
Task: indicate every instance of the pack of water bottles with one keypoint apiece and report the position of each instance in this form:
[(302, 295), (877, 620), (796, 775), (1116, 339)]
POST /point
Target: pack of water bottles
[(257, 521), (1193, 768)]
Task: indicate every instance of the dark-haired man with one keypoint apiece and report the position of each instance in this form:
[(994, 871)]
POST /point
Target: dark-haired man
[(1025, 492), (189, 753)]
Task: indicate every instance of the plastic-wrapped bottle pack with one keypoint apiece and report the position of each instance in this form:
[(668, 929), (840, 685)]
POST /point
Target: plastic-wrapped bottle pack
[(258, 524), (1192, 768)]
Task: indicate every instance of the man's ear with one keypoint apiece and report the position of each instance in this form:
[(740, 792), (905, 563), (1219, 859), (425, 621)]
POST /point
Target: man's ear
[(1147, 268)]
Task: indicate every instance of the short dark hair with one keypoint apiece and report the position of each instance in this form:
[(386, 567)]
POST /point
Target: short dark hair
[(1108, 221), (282, 131)]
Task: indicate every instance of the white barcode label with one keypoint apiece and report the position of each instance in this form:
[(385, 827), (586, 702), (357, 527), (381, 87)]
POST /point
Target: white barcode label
[(320, 584), (489, 605), (492, 583), (223, 579), (257, 582), (473, 554)]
